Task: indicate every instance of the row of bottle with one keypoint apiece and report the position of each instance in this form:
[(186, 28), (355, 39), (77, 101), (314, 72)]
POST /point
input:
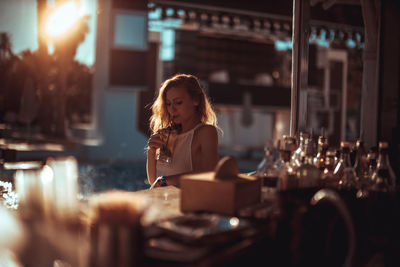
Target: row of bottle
[(308, 164)]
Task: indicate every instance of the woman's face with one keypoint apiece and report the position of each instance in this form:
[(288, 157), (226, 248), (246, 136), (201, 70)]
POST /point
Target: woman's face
[(180, 106)]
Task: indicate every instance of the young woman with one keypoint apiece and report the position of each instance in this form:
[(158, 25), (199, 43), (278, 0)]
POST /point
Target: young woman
[(182, 101)]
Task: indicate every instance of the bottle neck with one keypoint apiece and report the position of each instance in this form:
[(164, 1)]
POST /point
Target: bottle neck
[(383, 159), (345, 158)]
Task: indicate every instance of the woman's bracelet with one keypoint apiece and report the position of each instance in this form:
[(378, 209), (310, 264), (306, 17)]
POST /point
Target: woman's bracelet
[(162, 181)]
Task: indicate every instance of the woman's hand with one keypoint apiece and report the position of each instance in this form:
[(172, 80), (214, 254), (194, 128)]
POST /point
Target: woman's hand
[(155, 141)]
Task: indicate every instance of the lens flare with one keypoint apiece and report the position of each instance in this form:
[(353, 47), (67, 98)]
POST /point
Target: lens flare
[(62, 18)]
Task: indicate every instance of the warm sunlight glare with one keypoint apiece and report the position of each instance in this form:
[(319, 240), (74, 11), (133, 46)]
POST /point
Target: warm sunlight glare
[(62, 18)]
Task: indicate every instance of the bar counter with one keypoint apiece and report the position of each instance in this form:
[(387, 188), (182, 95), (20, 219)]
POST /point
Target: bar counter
[(174, 238), (291, 232), (148, 228)]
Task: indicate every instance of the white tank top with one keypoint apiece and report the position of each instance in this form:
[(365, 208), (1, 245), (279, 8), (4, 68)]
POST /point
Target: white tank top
[(182, 155)]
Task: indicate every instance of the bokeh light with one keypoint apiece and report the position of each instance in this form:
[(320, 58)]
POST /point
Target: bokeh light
[(63, 18)]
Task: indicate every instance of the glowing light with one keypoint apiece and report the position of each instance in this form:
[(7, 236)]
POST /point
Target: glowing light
[(234, 222), (47, 174), (62, 18)]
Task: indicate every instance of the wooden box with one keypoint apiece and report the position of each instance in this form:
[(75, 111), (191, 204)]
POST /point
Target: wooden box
[(223, 191)]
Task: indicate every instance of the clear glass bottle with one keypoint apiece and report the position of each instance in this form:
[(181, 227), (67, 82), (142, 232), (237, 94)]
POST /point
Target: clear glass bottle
[(328, 178), (320, 158), (301, 149), (360, 163), (361, 168), (286, 176), (344, 171), (266, 170), (383, 178), (308, 175), (371, 162)]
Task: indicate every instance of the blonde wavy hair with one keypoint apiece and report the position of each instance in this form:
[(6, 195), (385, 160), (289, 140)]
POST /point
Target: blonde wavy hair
[(160, 117)]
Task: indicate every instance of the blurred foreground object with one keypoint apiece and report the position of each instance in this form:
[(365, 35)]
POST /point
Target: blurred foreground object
[(48, 208), (223, 191), (116, 237), (11, 238)]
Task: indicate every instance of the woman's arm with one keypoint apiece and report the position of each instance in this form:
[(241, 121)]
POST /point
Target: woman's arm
[(151, 165), (205, 156), (153, 143)]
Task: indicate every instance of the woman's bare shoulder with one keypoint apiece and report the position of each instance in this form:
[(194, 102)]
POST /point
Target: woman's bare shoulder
[(206, 130)]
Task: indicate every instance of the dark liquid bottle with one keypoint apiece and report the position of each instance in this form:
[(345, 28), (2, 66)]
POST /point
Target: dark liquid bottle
[(266, 170)]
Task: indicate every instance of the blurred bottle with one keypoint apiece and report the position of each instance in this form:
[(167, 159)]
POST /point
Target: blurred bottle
[(307, 174), (328, 178), (313, 143), (371, 162), (320, 159), (383, 178), (361, 167), (361, 164), (266, 170), (301, 149), (344, 171), (286, 176)]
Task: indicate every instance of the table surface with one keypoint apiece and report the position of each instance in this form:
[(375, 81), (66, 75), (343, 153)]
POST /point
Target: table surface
[(164, 203), (180, 248)]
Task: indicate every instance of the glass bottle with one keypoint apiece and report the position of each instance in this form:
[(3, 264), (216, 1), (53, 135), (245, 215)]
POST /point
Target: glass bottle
[(328, 178), (361, 166), (266, 170), (297, 154), (286, 176), (344, 171), (383, 178), (320, 159), (371, 162), (308, 175)]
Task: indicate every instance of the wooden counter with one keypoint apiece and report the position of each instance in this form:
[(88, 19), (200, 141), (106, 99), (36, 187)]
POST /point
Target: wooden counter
[(166, 245)]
